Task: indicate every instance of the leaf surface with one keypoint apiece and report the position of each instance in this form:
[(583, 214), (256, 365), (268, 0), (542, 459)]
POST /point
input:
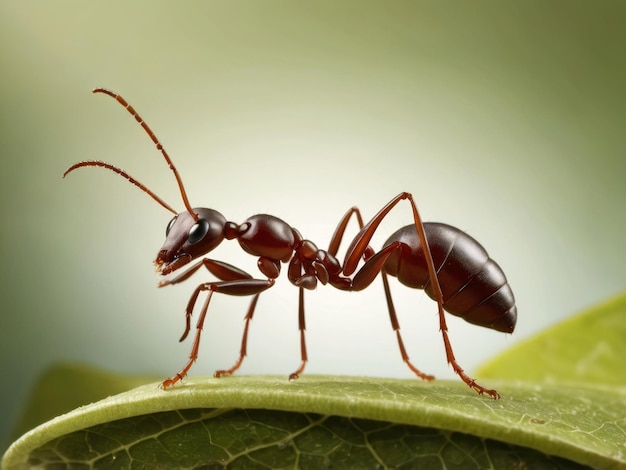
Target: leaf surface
[(588, 348), (563, 406), (315, 421)]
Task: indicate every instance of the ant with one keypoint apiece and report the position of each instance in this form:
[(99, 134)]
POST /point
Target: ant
[(452, 267)]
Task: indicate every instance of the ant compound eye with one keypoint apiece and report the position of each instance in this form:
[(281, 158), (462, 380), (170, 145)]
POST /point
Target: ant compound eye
[(198, 231), (170, 225)]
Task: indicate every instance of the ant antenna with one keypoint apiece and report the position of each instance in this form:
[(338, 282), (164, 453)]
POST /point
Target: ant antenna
[(120, 172), (159, 147)]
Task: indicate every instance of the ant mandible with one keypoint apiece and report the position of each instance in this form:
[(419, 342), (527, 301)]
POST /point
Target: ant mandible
[(452, 267)]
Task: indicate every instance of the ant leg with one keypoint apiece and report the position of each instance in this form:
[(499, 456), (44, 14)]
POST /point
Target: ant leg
[(360, 243), (301, 327), (221, 270), (332, 249), (396, 328), (359, 246), (237, 287), (180, 375), (244, 342), (452, 360), (432, 273), (335, 241)]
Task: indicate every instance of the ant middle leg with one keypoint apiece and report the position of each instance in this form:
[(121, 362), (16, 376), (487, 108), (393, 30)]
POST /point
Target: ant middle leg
[(368, 254), (302, 327), (337, 237), (333, 247)]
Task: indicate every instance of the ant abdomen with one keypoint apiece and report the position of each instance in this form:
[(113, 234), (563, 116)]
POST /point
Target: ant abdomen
[(473, 285)]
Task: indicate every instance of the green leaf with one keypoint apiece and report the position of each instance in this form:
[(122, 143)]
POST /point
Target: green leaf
[(315, 421), (569, 411), (587, 348), (67, 386)]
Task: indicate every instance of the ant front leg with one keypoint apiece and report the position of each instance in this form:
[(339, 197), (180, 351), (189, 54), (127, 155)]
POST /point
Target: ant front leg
[(223, 271), (239, 287)]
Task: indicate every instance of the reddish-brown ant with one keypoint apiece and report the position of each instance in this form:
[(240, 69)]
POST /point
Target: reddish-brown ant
[(452, 267)]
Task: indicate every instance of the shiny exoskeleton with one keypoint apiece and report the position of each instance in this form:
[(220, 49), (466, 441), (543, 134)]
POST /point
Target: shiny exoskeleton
[(473, 285), (452, 267)]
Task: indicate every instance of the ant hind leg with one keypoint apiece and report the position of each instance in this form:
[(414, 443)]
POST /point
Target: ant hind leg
[(396, 328)]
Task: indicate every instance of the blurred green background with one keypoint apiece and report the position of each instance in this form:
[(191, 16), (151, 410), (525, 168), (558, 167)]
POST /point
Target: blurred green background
[(504, 119)]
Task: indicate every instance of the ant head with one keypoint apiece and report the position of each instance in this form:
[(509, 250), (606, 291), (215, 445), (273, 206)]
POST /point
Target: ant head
[(190, 234), (188, 238)]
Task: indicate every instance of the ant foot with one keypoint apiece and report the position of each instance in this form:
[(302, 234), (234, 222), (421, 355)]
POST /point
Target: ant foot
[(170, 382), (419, 373), (482, 390), (492, 393)]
